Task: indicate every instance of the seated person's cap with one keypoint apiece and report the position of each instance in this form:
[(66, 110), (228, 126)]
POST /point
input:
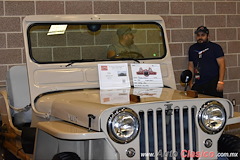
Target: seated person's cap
[(202, 29), (124, 30)]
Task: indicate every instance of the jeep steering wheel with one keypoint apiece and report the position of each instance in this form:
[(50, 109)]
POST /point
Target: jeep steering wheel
[(134, 55)]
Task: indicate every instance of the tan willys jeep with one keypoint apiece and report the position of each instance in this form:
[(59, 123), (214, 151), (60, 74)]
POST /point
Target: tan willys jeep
[(52, 107)]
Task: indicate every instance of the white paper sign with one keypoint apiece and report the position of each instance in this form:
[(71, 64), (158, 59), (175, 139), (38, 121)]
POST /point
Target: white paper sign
[(57, 29), (147, 75), (115, 96), (113, 76)]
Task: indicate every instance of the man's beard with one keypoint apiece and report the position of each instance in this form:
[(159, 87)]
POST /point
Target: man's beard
[(202, 41), (130, 43)]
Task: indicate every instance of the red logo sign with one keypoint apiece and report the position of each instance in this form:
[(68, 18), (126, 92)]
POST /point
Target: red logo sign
[(104, 68), (146, 72)]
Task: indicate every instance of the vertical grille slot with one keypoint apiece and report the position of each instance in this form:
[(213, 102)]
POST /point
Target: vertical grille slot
[(177, 132), (194, 134), (150, 133), (142, 135), (185, 126), (165, 132), (168, 117), (159, 130)]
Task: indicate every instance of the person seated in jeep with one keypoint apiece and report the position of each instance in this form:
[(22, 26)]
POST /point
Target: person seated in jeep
[(126, 47)]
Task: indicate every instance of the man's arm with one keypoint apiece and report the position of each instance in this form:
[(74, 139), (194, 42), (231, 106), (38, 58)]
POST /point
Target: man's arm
[(111, 54), (222, 68), (191, 68)]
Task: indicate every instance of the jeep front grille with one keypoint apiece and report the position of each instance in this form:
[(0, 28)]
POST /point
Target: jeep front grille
[(166, 132)]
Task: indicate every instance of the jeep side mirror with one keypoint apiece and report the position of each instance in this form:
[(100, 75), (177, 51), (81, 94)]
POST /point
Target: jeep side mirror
[(186, 77)]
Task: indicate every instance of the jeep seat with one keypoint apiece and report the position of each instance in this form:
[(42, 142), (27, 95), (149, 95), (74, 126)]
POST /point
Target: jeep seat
[(18, 95)]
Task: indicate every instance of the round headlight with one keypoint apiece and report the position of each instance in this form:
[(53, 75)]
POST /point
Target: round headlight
[(123, 125), (212, 117)]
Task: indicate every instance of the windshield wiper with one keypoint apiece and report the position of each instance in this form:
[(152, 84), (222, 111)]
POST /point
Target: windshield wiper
[(134, 59), (79, 60)]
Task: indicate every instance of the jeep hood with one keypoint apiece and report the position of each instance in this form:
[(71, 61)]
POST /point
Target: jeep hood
[(76, 106)]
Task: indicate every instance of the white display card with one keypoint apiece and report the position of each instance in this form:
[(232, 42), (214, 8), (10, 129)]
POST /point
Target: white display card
[(113, 76), (147, 75)]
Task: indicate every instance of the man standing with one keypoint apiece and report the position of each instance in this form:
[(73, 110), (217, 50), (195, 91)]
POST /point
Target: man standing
[(207, 63), (125, 47)]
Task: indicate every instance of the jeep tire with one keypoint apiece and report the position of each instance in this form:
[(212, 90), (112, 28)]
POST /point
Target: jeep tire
[(7, 155), (66, 156), (229, 144)]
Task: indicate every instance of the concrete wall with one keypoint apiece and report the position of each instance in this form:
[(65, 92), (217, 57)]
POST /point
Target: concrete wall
[(182, 17)]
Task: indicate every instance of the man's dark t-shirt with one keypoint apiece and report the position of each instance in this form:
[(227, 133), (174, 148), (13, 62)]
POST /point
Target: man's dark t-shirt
[(207, 61)]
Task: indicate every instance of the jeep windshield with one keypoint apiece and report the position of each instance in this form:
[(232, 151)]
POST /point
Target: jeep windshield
[(85, 42)]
